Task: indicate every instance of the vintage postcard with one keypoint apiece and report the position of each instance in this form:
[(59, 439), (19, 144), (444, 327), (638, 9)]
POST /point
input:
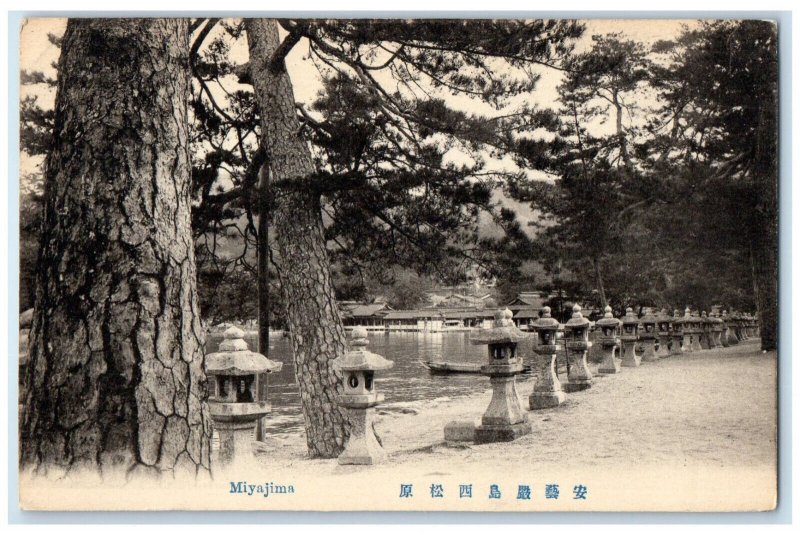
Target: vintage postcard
[(398, 264)]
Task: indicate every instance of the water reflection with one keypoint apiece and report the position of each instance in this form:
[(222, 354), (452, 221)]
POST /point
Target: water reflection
[(407, 382)]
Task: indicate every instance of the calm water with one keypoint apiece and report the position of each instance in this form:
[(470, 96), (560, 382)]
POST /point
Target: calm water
[(407, 382)]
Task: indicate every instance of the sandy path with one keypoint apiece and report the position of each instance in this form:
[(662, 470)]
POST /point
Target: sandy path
[(712, 407), (694, 432)]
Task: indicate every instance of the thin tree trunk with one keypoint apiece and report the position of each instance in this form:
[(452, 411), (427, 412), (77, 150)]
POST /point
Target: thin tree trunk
[(263, 286), (599, 281), (623, 147), (263, 262), (764, 263), (116, 379), (764, 228), (302, 263)]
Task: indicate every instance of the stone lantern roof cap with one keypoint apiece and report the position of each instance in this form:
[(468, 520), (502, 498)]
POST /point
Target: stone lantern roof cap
[(577, 320), (630, 318), (686, 318), (235, 358), (503, 331), (663, 316), (546, 322), (649, 317), (358, 358), (608, 319)]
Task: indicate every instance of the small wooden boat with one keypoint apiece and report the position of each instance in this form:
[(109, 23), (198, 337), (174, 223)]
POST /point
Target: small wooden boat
[(441, 367)]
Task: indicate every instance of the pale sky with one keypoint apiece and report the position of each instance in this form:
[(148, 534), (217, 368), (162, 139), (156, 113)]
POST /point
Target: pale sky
[(37, 54)]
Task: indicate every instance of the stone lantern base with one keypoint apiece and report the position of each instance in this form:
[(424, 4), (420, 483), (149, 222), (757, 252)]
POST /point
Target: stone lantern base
[(504, 419), (718, 338), (723, 339), (649, 346), (546, 400), (547, 392), (629, 357), (485, 434), (362, 446), (676, 345), (579, 377), (609, 364), (712, 340), (705, 340), (235, 441), (696, 346), (663, 342)]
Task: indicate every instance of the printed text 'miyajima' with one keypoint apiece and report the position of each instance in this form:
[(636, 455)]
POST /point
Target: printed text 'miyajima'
[(264, 489)]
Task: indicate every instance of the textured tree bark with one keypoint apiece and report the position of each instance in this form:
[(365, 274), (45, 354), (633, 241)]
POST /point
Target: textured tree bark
[(263, 288), (116, 379), (302, 263), (764, 229), (764, 262)]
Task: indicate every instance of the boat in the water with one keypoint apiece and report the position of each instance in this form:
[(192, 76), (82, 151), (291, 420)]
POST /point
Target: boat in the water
[(442, 367), (438, 367)]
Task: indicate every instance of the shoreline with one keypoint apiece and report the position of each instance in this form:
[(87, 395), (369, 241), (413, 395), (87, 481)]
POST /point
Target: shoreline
[(720, 392)]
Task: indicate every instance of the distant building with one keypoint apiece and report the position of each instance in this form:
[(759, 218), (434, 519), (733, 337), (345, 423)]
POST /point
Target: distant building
[(369, 315), (524, 318), (381, 317), (413, 320), (528, 300), (526, 307)]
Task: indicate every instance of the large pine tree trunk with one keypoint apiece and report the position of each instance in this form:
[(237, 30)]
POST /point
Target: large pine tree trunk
[(303, 269), (763, 257), (764, 229), (116, 379)]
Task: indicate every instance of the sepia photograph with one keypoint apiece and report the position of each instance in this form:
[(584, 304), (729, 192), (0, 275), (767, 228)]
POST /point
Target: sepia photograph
[(495, 264)]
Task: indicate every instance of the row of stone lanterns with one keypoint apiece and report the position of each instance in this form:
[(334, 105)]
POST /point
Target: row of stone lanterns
[(504, 419), (234, 373)]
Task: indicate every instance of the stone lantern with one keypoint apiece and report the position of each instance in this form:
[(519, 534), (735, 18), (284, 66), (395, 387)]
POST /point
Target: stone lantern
[(577, 345), (728, 335), (715, 340), (504, 419), (233, 374), (736, 317), (730, 321), (358, 367), (746, 325), (751, 326), (608, 326), (677, 333), (630, 334), (705, 332), (741, 332), (685, 324), (696, 329), (723, 338), (547, 391), (663, 322), (648, 336)]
